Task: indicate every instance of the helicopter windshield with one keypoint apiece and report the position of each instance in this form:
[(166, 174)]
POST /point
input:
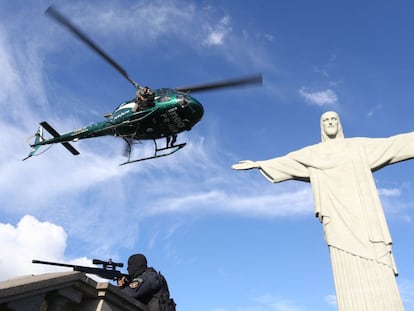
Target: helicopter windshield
[(126, 104), (163, 92), (162, 95)]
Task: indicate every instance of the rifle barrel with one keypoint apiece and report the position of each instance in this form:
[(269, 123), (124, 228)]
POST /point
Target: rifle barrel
[(53, 263)]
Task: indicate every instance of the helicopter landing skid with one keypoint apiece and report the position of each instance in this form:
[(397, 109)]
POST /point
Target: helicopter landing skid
[(171, 150)]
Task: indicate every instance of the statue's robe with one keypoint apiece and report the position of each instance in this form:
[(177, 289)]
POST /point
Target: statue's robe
[(347, 204)]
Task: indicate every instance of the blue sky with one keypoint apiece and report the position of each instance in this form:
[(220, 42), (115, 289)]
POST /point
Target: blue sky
[(226, 240)]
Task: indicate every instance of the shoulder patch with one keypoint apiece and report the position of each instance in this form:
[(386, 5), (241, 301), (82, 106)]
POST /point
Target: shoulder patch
[(136, 282), (133, 284)]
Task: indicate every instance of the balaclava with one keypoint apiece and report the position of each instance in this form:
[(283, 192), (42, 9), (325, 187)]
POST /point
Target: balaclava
[(137, 264)]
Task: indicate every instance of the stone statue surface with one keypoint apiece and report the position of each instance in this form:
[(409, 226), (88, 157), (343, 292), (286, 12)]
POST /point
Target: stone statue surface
[(347, 204)]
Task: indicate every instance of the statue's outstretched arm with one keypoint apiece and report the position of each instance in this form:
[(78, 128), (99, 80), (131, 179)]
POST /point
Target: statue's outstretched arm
[(245, 165)]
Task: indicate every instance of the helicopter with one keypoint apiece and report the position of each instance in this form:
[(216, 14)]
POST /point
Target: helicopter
[(160, 113)]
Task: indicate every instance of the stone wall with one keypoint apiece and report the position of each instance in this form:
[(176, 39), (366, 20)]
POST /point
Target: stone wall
[(63, 292)]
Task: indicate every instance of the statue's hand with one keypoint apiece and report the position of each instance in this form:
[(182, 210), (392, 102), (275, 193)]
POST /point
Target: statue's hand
[(245, 165)]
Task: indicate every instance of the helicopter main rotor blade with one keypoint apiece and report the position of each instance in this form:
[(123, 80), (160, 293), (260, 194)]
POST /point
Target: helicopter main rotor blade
[(250, 80), (51, 11)]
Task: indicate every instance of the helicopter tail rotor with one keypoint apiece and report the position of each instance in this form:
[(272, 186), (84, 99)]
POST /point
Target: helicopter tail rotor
[(36, 145)]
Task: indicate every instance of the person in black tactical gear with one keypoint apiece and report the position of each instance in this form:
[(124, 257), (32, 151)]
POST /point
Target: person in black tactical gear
[(146, 285), (144, 98)]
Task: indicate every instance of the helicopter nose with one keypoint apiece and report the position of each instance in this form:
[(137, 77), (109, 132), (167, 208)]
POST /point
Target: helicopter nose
[(196, 107)]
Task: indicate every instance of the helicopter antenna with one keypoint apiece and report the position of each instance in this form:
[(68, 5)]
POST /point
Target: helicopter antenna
[(52, 12)]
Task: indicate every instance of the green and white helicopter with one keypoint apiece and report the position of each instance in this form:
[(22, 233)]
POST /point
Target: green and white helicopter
[(168, 112)]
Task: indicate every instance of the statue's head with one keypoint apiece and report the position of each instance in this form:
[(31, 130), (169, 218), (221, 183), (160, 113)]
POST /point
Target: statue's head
[(331, 127)]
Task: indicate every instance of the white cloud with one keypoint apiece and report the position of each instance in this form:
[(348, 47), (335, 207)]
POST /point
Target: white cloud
[(29, 239), (217, 33), (254, 203), (389, 192), (331, 300), (9, 78), (319, 98), (152, 20), (32, 239), (141, 23)]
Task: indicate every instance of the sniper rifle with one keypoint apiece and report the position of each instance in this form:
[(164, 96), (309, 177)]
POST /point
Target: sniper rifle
[(108, 270)]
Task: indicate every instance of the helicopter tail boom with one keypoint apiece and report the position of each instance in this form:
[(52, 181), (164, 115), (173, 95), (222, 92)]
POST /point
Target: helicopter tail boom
[(40, 140)]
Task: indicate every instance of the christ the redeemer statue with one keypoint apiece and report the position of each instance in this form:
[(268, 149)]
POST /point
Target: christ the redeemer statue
[(347, 204)]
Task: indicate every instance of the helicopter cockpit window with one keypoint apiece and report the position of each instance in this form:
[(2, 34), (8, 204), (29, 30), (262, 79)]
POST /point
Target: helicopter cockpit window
[(182, 100), (163, 95), (162, 92), (164, 99)]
